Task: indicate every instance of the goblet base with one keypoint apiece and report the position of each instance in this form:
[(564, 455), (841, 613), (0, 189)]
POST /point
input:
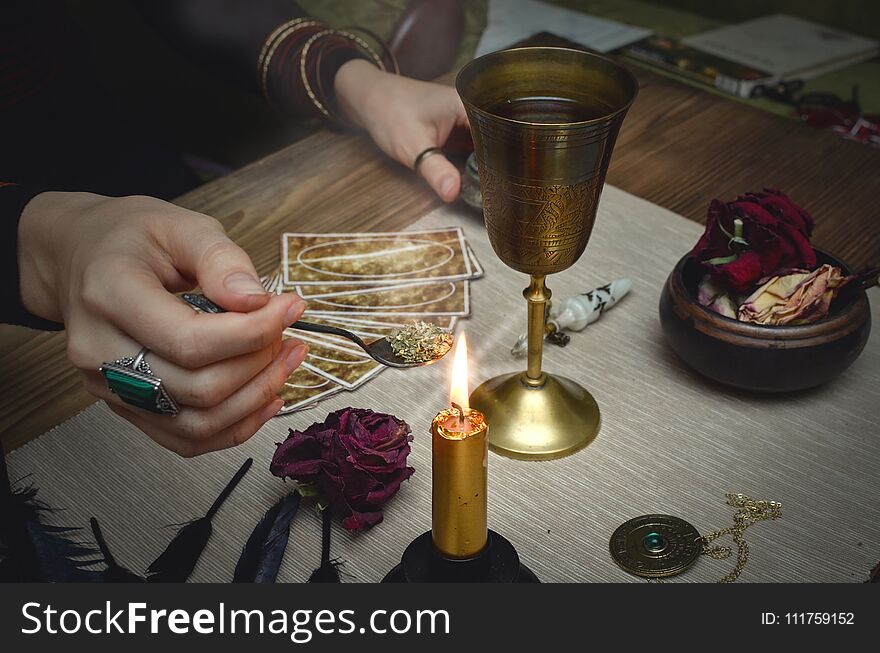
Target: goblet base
[(525, 422)]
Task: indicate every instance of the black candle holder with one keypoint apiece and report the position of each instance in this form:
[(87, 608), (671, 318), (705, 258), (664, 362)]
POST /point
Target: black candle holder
[(498, 562)]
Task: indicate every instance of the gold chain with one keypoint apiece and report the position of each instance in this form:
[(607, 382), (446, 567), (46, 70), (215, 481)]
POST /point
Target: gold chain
[(748, 512)]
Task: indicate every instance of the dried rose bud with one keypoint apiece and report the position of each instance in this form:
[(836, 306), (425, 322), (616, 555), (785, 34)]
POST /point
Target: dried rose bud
[(797, 298)]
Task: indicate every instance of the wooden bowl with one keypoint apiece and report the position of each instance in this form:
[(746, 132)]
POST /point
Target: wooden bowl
[(756, 357)]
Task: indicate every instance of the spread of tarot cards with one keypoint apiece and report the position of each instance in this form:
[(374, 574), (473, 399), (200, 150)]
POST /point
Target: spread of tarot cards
[(371, 284)]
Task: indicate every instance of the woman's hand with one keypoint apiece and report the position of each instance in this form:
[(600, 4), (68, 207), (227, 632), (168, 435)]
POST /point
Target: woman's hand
[(107, 268), (404, 117)]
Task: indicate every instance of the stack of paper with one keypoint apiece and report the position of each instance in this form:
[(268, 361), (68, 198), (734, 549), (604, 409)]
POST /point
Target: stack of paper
[(509, 21)]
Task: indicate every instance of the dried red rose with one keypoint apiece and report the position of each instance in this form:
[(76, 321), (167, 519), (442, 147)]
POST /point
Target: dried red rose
[(756, 236), (356, 458)]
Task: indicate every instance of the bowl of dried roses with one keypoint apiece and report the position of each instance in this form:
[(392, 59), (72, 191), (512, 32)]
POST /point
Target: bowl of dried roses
[(755, 306)]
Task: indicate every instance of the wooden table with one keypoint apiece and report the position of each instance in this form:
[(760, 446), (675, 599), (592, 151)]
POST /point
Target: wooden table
[(679, 147)]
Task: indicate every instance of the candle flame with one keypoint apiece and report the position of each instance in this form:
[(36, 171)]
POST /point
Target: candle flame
[(458, 387)]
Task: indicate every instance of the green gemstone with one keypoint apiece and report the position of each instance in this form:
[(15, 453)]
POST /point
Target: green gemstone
[(654, 542), (131, 390)]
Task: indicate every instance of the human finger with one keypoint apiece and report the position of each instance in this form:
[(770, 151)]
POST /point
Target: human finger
[(201, 250), (441, 175), (231, 436), (202, 423), (135, 301), (201, 387)]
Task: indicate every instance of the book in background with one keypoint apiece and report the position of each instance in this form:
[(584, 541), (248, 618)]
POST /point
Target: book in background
[(738, 58), (673, 56)]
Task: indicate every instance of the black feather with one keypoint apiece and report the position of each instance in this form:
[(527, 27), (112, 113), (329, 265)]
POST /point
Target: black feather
[(328, 572), (179, 558), (115, 573), (31, 551), (264, 550)]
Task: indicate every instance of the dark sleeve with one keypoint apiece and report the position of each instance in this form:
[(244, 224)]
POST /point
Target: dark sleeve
[(13, 199), (226, 36)]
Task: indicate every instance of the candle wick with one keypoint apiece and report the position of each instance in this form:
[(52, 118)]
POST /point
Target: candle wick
[(460, 412)]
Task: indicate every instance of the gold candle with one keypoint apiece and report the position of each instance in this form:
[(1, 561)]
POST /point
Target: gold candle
[(459, 467)]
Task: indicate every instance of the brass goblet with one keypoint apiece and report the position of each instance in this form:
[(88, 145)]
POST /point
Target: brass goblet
[(544, 122)]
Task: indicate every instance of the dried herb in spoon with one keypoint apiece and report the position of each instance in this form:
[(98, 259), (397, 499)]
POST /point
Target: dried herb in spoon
[(420, 342)]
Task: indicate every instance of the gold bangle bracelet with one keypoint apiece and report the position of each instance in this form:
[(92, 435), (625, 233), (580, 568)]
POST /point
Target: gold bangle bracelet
[(385, 49), (361, 43), (363, 46), (267, 44), (271, 45), (302, 70)]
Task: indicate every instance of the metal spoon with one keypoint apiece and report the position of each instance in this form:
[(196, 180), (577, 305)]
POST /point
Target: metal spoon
[(379, 350)]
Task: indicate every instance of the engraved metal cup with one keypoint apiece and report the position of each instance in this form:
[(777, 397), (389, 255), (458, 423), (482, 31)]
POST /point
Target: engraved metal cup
[(541, 183)]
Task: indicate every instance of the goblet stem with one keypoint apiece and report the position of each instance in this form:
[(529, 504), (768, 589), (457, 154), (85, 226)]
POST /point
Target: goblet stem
[(537, 295)]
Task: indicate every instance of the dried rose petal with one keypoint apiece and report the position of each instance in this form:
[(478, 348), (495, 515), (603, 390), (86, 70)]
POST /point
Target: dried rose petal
[(715, 297), (798, 298)]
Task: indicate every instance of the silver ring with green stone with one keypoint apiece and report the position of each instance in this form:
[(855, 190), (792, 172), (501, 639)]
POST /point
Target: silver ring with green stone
[(132, 380)]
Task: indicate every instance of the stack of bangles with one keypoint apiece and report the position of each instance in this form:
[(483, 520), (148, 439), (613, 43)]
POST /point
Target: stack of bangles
[(300, 58)]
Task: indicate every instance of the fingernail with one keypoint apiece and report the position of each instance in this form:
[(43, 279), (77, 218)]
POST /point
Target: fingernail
[(446, 186), (295, 357), (296, 309), (242, 283), (271, 410)]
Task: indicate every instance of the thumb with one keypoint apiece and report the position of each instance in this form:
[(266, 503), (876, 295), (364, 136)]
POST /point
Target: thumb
[(442, 176), (222, 269)]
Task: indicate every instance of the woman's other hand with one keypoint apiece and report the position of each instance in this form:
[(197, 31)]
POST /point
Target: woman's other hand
[(404, 117)]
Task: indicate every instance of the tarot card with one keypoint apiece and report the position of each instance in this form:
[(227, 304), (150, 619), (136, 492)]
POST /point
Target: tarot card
[(356, 322), (373, 329), (450, 298), (320, 349), (304, 388), (320, 291), (349, 369), (475, 262), (323, 340), (367, 332), (339, 341), (374, 258), (349, 375), (272, 281)]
